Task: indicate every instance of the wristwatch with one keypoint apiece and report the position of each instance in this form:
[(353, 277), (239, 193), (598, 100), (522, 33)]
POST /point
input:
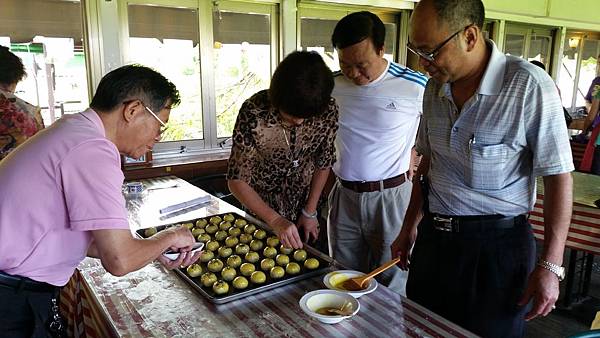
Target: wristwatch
[(558, 270)]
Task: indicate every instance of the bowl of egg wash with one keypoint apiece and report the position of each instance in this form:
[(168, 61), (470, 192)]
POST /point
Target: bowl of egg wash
[(329, 306), (335, 280)]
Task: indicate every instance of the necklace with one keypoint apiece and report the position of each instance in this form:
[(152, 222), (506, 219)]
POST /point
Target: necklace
[(295, 161)]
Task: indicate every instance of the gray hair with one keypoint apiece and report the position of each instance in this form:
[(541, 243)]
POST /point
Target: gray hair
[(459, 13)]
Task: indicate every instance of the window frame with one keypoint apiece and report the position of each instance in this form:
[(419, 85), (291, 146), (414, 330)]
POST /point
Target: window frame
[(337, 12), (210, 142)]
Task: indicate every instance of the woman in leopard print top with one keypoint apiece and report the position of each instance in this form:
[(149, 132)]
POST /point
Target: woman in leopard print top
[(283, 147)]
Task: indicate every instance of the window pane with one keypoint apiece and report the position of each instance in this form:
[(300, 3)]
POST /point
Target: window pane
[(166, 39), (515, 44), (587, 72), (47, 36), (242, 44), (390, 41), (567, 74), (539, 49), (316, 36)]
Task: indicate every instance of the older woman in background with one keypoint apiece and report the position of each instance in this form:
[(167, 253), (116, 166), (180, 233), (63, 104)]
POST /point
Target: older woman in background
[(19, 120), (283, 148)]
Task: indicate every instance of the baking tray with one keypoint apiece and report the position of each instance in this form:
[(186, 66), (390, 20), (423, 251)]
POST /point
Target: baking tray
[(325, 265)]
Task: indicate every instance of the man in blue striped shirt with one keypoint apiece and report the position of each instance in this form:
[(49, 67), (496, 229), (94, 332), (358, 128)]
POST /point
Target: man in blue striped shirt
[(380, 107), (491, 124)]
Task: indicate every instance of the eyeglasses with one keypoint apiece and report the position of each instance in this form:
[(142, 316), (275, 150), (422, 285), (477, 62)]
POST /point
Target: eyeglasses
[(163, 126), (431, 55)]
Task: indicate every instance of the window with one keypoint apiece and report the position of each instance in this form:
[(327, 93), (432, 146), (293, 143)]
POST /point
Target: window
[(218, 54), (166, 39), (531, 43), (316, 28), (579, 67), (242, 57), (588, 69), (47, 36), (568, 74)]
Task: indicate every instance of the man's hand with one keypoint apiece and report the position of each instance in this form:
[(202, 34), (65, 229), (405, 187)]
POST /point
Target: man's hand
[(310, 226), (184, 259), (287, 232), (181, 238), (403, 245), (543, 288), (182, 241)]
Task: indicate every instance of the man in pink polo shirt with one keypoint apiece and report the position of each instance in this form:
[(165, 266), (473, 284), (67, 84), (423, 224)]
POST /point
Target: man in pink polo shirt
[(61, 198)]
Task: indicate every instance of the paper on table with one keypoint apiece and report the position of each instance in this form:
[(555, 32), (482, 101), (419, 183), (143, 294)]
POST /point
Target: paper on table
[(182, 205)]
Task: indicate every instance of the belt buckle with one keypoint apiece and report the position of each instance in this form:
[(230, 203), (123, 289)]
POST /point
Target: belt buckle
[(443, 224)]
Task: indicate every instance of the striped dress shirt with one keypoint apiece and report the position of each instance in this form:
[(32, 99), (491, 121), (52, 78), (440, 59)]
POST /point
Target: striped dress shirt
[(484, 158)]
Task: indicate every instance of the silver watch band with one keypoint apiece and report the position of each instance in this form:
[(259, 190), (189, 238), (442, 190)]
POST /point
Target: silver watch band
[(558, 270)]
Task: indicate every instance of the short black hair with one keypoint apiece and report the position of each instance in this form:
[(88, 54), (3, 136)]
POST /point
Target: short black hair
[(134, 82), (11, 67), (539, 64), (355, 27), (460, 13), (301, 85)]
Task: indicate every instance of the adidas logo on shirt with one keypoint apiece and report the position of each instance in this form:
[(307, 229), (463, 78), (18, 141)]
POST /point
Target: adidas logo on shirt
[(391, 106)]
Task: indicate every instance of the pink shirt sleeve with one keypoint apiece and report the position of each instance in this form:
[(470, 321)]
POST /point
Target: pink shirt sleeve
[(91, 181)]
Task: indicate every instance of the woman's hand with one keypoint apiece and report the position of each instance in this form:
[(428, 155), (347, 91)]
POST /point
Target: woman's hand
[(287, 232), (310, 226)]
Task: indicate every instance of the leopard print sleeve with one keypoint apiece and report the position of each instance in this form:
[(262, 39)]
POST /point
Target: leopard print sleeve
[(240, 165), (325, 156)]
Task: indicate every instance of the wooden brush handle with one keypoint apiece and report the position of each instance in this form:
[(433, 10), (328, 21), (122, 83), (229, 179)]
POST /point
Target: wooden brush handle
[(382, 268)]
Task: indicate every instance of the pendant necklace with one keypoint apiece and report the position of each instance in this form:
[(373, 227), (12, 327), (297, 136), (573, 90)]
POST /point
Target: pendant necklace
[(295, 161)]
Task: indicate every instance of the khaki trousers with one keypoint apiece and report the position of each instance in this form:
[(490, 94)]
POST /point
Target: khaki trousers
[(363, 226)]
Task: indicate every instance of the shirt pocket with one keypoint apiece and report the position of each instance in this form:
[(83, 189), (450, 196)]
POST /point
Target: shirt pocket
[(486, 169)]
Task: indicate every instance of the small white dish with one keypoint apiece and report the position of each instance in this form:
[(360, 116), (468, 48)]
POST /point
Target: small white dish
[(335, 278), (318, 299), (174, 255)]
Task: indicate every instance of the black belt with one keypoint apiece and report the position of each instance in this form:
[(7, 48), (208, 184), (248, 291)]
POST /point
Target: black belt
[(24, 283), (370, 186), (471, 224)]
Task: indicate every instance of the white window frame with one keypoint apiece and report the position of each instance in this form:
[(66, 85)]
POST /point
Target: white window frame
[(210, 142), (337, 12)]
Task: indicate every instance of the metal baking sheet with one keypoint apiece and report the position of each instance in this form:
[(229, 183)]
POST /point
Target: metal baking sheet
[(325, 265)]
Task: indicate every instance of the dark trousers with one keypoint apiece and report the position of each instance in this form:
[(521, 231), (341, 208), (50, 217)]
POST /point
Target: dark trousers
[(24, 313), (474, 279)]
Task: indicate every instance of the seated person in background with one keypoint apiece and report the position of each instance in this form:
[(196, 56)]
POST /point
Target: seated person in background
[(283, 147), (19, 120), (61, 198)]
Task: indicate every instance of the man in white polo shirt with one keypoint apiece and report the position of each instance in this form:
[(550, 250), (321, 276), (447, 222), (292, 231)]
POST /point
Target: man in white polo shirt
[(380, 107)]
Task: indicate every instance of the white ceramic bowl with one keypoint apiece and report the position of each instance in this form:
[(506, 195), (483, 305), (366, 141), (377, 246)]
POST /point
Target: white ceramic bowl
[(334, 278), (315, 300)]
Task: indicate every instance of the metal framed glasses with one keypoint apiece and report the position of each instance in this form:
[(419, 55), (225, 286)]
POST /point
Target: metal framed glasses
[(163, 126), (431, 55)]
